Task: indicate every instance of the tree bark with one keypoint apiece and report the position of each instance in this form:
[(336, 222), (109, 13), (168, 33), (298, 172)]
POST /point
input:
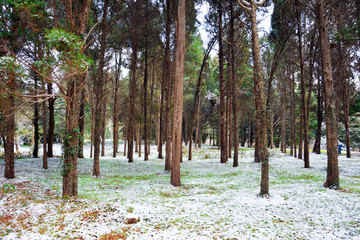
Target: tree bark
[(99, 92), (45, 160), (223, 140), (132, 95), (332, 178), (10, 130), (317, 143), (116, 104), (36, 124), (81, 123), (235, 123), (50, 152), (180, 26), (168, 86)]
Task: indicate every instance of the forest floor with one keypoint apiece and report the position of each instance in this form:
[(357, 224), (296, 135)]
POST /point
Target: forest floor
[(216, 201)]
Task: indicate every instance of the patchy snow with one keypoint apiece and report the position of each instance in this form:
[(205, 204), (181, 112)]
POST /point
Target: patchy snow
[(216, 201)]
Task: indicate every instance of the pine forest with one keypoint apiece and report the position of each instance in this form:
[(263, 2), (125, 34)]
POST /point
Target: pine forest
[(179, 119)]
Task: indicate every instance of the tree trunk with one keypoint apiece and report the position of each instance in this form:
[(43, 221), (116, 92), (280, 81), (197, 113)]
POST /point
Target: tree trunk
[(303, 136), (317, 143), (116, 104), (132, 94), (223, 140), (146, 157), (45, 160), (81, 125), (103, 127), (167, 85), (235, 124), (50, 152), (36, 128), (99, 92), (180, 27), (260, 105), (332, 179), (10, 130)]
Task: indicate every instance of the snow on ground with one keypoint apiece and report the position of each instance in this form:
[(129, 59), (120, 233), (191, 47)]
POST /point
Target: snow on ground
[(216, 201)]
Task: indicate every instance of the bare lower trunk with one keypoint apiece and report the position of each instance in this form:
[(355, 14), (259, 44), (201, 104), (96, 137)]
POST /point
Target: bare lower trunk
[(81, 125), (50, 152), (45, 160), (9, 144)]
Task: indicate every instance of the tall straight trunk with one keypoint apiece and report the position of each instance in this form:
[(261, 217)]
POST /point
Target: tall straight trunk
[(151, 108), (283, 117), (136, 139), (229, 120), (70, 144), (116, 105), (303, 136), (45, 160), (146, 157), (223, 140), (293, 107), (132, 94), (235, 124), (50, 152), (317, 143), (167, 85), (125, 140), (98, 89), (139, 138), (346, 101), (81, 125), (180, 26), (332, 178), (345, 83), (103, 127), (92, 126), (271, 128), (10, 132), (260, 104), (36, 124)]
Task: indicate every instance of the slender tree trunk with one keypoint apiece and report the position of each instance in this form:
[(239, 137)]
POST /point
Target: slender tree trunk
[(92, 126), (10, 130), (261, 123), (116, 104), (103, 127), (99, 92), (317, 143), (235, 124), (303, 136), (50, 152), (45, 160), (180, 27), (146, 157), (167, 85), (223, 140), (36, 125), (132, 100), (81, 125), (332, 179)]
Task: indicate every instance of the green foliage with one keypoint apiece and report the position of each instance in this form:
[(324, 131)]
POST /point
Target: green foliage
[(8, 188), (67, 52), (9, 65)]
